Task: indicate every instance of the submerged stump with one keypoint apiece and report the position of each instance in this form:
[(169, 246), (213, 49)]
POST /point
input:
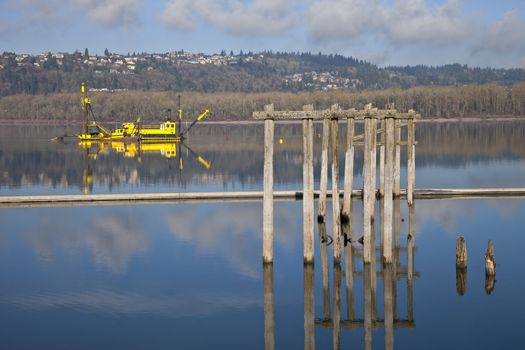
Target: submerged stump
[(461, 253), (490, 268)]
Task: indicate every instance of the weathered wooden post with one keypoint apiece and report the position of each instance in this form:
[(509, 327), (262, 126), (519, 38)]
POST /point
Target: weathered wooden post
[(388, 190), (490, 268), (490, 260), (269, 319), (388, 302), (308, 188), (411, 158), (368, 193), (336, 209), (309, 309), (382, 159), (323, 182), (349, 169), (397, 159), (461, 265), (336, 335), (324, 268), (268, 187), (461, 253)]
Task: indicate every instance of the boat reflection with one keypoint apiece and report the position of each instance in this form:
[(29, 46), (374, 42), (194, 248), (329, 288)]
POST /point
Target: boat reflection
[(92, 150)]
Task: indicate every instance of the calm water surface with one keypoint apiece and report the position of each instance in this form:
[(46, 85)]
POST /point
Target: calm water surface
[(190, 276)]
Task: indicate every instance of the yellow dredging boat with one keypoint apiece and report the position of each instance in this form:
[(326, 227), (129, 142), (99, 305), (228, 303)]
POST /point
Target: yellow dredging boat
[(167, 131)]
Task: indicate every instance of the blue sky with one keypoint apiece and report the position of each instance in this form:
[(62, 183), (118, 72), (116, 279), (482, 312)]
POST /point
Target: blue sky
[(386, 32)]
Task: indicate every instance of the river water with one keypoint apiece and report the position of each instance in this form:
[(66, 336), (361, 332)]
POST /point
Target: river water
[(191, 276)]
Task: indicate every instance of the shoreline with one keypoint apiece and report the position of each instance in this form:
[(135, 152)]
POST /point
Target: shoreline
[(256, 122)]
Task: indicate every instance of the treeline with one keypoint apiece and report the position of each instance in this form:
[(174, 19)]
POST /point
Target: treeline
[(254, 72), (431, 102)]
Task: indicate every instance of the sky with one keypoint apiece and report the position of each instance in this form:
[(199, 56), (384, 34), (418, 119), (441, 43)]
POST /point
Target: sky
[(385, 32)]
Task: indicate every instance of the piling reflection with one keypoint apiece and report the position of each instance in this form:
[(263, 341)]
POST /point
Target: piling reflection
[(337, 307), (461, 280), (390, 274), (490, 283), (323, 242), (309, 307), (269, 306)]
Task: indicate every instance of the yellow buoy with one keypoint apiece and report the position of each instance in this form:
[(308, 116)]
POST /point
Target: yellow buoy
[(281, 141)]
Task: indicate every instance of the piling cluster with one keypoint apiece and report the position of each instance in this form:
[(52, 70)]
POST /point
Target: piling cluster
[(391, 121)]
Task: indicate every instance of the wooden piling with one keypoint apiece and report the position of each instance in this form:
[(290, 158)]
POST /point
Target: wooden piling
[(269, 303), (308, 192), (461, 253), (367, 190), (490, 260), (397, 159), (382, 160), (323, 182), (268, 189), (309, 308), (388, 190), (374, 166), (336, 335), (411, 242), (411, 160), (349, 169), (323, 240), (490, 269), (336, 209)]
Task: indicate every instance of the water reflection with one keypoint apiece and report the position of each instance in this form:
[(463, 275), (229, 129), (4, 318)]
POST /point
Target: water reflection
[(390, 275), (460, 151), (169, 272)]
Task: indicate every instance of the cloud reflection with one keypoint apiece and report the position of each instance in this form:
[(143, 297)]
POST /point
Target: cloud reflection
[(233, 231), (122, 303), (111, 238)]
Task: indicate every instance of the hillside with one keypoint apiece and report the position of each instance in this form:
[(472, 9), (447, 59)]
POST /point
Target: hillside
[(242, 72)]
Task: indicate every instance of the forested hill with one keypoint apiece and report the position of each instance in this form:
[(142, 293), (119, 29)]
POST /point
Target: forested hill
[(225, 72)]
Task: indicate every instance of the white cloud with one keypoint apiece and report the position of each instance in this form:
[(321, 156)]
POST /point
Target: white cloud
[(110, 13), (407, 21), (413, 20), (344, 19), (234, 16), (508, 33)]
